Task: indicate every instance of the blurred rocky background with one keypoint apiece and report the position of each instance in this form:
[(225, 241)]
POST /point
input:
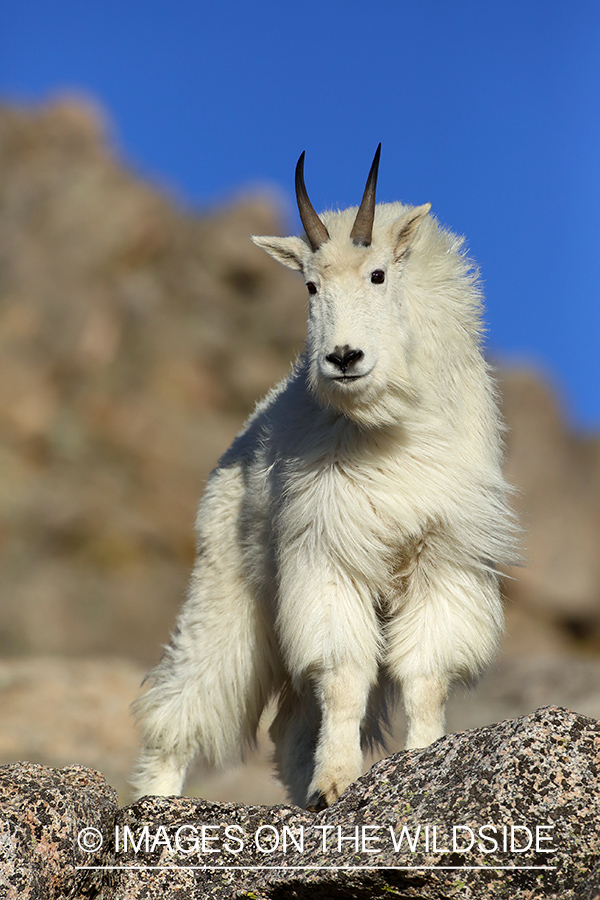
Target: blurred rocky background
[(135, 336)]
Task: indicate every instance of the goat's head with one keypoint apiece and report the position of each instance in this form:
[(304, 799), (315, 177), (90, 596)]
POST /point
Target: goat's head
[(359, 335)]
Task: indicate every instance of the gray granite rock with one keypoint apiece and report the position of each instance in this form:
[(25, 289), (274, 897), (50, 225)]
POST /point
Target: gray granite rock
[(511, 810), (589, 888), (43, 812)]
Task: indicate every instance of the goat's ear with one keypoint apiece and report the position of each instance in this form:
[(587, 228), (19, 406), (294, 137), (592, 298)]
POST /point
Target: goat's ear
[(405, 229), (289, 251)]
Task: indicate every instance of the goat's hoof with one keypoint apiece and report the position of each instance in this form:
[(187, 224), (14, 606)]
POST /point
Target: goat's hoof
[(317, 802)]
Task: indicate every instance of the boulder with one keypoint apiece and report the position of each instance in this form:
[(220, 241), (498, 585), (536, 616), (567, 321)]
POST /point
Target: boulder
[(507, 810), (53, 822)]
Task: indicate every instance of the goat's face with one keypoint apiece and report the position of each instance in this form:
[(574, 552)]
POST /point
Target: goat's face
[(359, 336), (358, 331)]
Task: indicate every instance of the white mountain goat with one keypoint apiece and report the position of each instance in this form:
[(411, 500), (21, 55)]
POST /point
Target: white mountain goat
[(348, 540)]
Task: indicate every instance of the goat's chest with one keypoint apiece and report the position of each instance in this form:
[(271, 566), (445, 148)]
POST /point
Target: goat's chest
[(349, 516)]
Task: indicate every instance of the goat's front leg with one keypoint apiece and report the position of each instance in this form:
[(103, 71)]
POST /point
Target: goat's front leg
[(446, 629), (424, 702), (329, 639), (342, 693)]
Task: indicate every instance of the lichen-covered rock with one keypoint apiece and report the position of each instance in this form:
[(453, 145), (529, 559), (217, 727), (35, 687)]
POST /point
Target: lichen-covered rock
[(50, 822), (589, 888), (511, 810), (186, 848)]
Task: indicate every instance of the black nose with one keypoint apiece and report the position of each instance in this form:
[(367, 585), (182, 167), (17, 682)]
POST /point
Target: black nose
[(344, 358)]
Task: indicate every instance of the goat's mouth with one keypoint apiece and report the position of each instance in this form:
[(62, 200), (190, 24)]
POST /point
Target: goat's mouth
[(352, 381), (349, 384), (347, 379), (342, 379)]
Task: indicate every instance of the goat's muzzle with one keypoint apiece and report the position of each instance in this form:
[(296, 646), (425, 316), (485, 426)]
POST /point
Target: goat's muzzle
[(344, 358)]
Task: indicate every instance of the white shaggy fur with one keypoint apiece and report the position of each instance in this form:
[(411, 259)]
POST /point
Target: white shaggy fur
[(349, 539)]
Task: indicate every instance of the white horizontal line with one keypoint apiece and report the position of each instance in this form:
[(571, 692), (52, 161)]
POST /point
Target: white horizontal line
[(323, 868)]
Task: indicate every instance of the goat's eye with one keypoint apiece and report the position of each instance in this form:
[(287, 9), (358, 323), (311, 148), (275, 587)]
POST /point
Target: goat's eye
[(378, 276), (311, 286)]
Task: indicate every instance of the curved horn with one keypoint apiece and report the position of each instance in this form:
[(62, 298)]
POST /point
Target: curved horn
[(315, 230), (362, 230)]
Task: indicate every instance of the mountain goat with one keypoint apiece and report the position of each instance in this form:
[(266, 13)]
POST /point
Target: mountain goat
[(348, 540)]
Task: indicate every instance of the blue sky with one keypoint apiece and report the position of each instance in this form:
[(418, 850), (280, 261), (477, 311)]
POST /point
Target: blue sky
[(490, 111)]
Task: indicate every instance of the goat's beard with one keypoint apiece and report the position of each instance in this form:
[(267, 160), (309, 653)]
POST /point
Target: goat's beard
[(369, 402)]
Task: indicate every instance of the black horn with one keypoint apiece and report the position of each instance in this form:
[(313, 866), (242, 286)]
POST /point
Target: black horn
[(315, 230), (362, 230)]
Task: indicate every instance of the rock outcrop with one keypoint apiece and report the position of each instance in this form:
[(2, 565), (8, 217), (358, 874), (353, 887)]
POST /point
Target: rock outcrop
[(508, 810), (43, 814), (135, 336)]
